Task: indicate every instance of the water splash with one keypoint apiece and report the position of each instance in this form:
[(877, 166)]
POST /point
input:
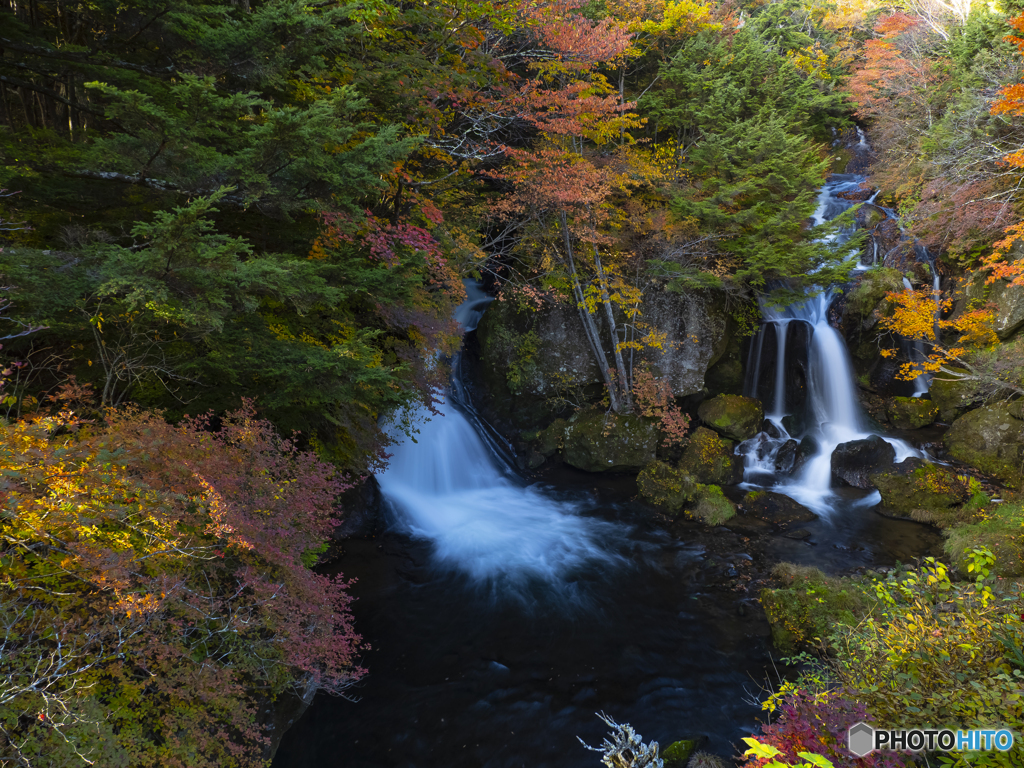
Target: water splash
[(449, 487)]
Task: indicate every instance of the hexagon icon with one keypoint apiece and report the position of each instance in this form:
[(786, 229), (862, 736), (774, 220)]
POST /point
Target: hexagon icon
[(861, 739)]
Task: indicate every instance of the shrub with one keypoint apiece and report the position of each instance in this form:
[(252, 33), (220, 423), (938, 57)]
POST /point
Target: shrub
[(817, 724), (939, 653)]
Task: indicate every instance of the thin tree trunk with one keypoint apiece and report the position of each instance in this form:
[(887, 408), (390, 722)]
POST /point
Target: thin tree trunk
[(623, 377), (589, 327)]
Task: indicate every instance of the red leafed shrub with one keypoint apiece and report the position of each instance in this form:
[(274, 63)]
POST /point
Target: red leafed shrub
[(819, 724)]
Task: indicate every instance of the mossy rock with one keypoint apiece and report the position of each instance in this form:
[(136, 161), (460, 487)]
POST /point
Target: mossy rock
[(599, 442), (866, 299), (551, 439), (997, 528), (990, 439), (953, 398), (665, 486), (709, 459), (677, 754), (808, 603), (732, 416), (916, 484), (911, 412), (710, 505)]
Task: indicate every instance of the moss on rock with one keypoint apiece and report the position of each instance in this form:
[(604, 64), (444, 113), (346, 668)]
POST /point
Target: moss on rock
[(665, 486), (951, 397), (677, 754), (808, 603), (732, 416), (911, 412), (992, 440), (915, 484), (710, 505), (709, 459), (599, 442)]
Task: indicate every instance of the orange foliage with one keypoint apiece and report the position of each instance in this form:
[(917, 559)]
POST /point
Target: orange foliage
[(917, 316)]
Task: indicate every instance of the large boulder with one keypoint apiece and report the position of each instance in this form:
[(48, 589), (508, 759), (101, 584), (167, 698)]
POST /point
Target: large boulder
[(1009, 309), (855, 461), (599, 442), (915, 484), (911, 412), (709, 458), (992, 440), (951, 396), (665, 486), (732, 416)]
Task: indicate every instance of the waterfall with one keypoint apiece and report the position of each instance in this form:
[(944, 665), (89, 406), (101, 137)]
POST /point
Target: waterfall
[(832, 411), (447, 486)]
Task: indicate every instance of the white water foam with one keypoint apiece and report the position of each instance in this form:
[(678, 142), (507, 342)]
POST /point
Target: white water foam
[(448, 487)]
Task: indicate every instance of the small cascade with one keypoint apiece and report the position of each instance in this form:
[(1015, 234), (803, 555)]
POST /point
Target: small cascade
[(448, 486), (830, 413)]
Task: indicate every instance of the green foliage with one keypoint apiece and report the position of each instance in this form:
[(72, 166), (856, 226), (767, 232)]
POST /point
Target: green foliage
[(523, 348), (998, 528), (937, 653)]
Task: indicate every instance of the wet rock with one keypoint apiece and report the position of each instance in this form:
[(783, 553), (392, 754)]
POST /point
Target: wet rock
[(869, 216), (748, 525), (911, 412), (677, 754), (990, 439), (953, 398), (800, 534), (665, 486), (599, 442), (771, 429), (775, 508), (710, 505), (709, 458), (361, 505), (785, 458), (916, 484), (853, 462), (732, 416)]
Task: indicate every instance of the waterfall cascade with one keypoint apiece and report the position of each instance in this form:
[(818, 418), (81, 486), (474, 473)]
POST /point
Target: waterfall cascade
[(449, 486), (828, 412)]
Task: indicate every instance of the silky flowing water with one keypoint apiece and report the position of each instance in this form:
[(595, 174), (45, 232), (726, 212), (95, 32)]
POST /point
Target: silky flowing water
[(502, 614)]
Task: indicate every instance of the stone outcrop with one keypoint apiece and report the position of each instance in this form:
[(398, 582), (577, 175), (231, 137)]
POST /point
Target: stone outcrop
[(709, 458), (911, 412), (535, 360), (599, 442)]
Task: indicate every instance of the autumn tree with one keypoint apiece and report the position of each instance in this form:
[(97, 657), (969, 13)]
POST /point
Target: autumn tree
[(157, 590), (959, 348)]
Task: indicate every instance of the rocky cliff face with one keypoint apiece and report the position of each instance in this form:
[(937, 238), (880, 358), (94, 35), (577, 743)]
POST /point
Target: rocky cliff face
[(537, 362)]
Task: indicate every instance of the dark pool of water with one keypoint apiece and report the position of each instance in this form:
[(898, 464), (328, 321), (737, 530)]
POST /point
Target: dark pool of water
[(466, 675)]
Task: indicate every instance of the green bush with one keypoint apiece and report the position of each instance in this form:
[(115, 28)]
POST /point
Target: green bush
[(939, 653)]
